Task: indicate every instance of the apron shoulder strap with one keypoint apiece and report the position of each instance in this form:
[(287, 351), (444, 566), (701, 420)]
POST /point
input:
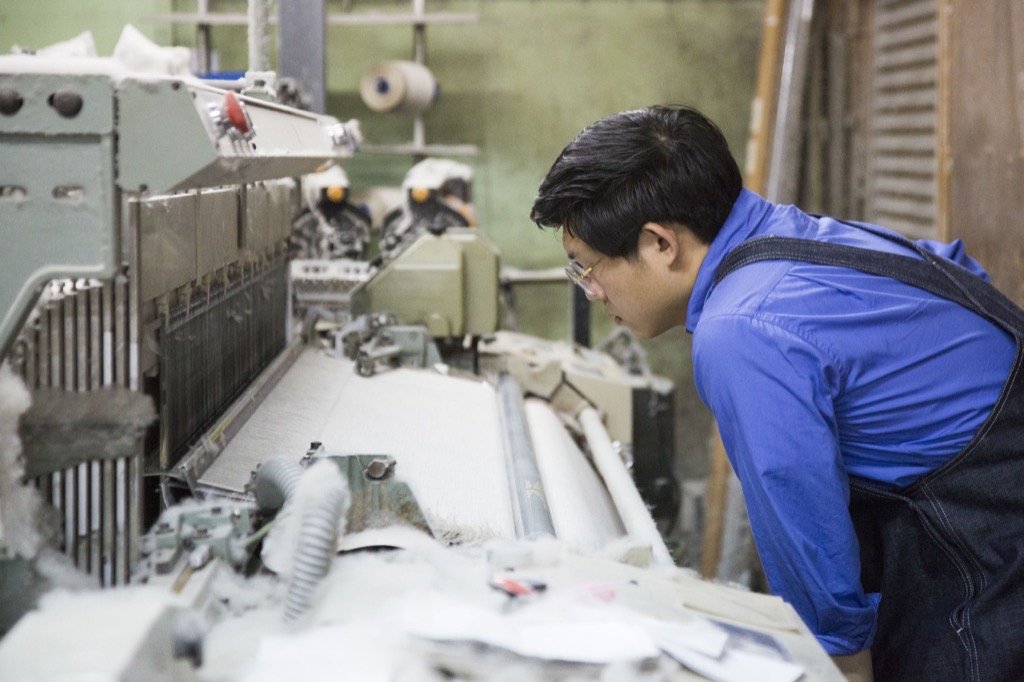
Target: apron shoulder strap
[(931, 272)]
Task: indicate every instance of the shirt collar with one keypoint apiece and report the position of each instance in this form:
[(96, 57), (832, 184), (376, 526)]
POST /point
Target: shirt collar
[(746, 216)]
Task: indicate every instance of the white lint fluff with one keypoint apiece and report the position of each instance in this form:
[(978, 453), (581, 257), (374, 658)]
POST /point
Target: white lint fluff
[(20, 506)]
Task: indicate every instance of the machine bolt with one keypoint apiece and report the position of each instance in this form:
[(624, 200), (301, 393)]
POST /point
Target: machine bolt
[(380, 468), (200, 556), (67, 103), (10, 101)]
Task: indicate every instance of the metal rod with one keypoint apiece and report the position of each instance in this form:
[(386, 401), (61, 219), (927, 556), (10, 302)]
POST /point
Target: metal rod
[(259, 45), (109, 530), (107, 322), (82, 517), (781, 180), (134, 501), (54, 328), (43, 350), (531, 513), (120, 573), (31, 369), (67, 312), (120, 332), (69, 508), (96, 519), (204, 64)]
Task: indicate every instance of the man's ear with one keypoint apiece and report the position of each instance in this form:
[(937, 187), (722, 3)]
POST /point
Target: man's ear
[(664, 240)]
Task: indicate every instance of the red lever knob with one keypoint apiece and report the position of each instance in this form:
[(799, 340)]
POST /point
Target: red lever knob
[(236, 114)]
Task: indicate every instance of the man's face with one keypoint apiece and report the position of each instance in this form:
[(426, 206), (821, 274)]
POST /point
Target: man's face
[(648, 295)]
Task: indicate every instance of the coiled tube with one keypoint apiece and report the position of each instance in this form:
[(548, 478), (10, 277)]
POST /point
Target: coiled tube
[(276, 479), (318, 499)]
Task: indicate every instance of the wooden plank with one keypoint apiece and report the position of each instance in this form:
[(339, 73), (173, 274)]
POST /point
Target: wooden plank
[(924, 54), (943, 157), (916, 77), (894, 3), (922, 189), (986, 136), (903, 122), (922, 209), (837, 110), (762, 115), (916, 99), (918, 32), (714, 520), (921, 143), (906, 165), (901, 184), (891, 17)]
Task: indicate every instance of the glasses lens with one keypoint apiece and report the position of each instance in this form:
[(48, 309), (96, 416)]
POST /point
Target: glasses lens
[(580, 277)]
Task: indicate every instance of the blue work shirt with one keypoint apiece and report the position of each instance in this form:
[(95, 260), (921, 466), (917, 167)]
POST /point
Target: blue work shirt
[(818, 373)]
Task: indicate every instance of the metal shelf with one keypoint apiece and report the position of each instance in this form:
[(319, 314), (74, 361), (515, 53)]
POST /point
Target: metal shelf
[(203, 19), (414, 149), (335, 19)]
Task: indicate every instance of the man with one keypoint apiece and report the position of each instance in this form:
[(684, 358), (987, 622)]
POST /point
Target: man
[(866, 387)]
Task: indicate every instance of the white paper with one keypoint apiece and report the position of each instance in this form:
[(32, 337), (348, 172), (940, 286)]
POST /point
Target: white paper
[(724, 653), (349, 652), (698, 634), (734, 665), (579, 635)]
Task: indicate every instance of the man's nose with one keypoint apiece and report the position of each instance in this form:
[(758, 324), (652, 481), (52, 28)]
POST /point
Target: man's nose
[(596, 292)]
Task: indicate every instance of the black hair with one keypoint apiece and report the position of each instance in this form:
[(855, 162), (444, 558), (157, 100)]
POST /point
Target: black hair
[(659, 164)]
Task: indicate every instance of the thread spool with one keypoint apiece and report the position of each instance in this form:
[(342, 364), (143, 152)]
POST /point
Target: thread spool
[(398, 86)]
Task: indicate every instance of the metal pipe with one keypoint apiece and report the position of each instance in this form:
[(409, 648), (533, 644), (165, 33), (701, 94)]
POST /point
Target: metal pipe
[(530, 509), (259, 45), (784, 147), (635, 516)]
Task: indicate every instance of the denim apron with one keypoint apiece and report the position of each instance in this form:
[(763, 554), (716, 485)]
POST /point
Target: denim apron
[(946, 552)]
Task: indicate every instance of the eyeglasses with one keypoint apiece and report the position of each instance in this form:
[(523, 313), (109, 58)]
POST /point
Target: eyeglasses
[(581, 278)]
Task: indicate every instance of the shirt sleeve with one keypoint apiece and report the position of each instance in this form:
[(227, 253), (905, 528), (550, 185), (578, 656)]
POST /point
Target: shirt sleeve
[(955, 252), (772, 395)]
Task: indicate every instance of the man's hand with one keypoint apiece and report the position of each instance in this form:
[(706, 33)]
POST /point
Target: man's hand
[(856, 667)]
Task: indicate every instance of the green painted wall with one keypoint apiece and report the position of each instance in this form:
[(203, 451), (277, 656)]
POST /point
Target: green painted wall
[(522, 82), (519, 84), (35, 24)]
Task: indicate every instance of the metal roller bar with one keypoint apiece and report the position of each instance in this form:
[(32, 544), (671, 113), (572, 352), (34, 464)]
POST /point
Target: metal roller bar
[(531, 514), (635, 516)]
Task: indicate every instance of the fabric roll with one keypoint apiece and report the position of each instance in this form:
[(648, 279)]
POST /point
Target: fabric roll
[(398, 86)]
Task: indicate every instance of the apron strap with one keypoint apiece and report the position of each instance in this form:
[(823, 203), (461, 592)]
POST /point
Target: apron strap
[(934, 273)]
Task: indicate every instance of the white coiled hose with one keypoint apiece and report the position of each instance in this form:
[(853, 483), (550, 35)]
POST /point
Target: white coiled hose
[(319, 498)]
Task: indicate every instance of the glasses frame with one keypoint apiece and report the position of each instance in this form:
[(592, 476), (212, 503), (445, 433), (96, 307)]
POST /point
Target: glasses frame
[(581, 277)]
